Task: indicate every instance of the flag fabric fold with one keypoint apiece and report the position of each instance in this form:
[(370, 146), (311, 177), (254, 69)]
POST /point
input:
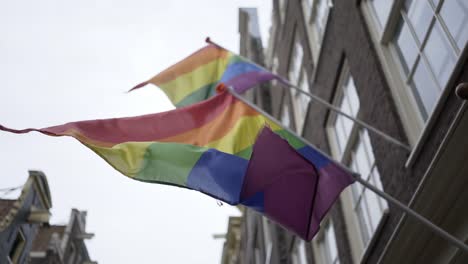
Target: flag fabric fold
[(195, 78), (289, 188), (208, 147)]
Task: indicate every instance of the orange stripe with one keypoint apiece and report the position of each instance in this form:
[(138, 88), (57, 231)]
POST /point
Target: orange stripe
[(197, 59), (216, 129)]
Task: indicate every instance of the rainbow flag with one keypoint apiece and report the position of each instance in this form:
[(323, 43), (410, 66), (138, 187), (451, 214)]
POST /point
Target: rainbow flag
[(293, 190), (195, 78), (204, 147)]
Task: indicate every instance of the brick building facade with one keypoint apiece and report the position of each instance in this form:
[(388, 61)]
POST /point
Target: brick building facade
[(395, 65)]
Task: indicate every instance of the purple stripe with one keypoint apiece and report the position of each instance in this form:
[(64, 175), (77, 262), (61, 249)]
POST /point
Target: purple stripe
[(238, 68), (245, 81), (296, 193), (332, 181), (287, 180)]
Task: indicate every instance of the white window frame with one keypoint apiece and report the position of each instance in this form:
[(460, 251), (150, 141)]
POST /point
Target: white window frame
[(359, 192), (282, 4), (336, 151), (321, 246), (344, 154), (299, 252), (295, 67), (297, 75), (285, 114), (267, 239), (301, 102), (416, 128), (315, 38)]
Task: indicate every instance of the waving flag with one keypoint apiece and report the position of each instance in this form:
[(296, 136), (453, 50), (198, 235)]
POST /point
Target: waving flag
[(207, 147), (195, 78), (293, 190)]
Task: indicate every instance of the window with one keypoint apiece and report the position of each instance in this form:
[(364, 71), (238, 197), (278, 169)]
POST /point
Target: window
[(285, 116), (425, 51), (316, 16), (307, 7), (298, 76), (301, 102), (322, 8), (381, 9), (17, 248), (274, 69), (351, 144), (419, 43), (369, 208), (282, 10), (295, 63), (327, 245), (348, 102), (267, 239), (298, 255)]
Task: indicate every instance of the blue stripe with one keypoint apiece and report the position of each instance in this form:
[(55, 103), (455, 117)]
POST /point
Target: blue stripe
[(256, 202), (238, 68), (219, 175), (314, 156)]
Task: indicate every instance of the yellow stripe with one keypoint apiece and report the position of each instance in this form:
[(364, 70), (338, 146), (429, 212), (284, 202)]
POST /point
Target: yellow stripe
[(126, 157), (186, 84), (129, 157), (243, 134)]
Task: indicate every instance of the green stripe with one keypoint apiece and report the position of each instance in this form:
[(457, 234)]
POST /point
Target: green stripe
[(295, 142), (199, 95), (234, 59), (245, 153), (204, 92), (169, 163)]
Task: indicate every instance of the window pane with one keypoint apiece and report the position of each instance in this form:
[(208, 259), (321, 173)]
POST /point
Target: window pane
[(321, 12), (303, 99), (382, 9), (285, 116), (439, 54), (374, 209), (327, 244), (455, 15), (348, 126), (366, 141), (340, 134), (353, 98), (425, 89), (301, 251), (307, 6), (363, 222), (331, 241), (375, 180), (406, 47), (362, 161), (304, 103), (420, 15), (357, 190)]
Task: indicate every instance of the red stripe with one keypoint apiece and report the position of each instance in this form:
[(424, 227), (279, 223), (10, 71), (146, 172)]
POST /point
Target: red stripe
[(145, 128), (138, 86)]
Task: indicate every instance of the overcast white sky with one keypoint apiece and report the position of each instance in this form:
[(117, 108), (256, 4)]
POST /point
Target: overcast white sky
[(63, 60)]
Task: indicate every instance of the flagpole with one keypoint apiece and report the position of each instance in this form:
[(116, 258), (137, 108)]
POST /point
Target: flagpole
[(287, 84), (448, 237)]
